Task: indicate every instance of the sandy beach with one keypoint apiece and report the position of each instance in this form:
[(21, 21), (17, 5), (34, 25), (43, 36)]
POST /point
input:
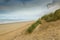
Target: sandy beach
[(10, 30), (17, 31)]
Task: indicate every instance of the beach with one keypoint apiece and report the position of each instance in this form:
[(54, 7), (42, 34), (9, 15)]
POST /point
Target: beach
[(18, 31), (10, 30)]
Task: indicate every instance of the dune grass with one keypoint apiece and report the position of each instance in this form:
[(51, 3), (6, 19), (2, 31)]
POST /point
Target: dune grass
[(52, 16), (33, 26)]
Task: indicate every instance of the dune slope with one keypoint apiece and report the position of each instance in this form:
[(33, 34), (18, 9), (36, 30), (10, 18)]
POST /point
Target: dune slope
[(45, 31)]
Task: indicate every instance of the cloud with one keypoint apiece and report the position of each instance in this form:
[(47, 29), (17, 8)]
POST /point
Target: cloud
[(13, 5), (15, 9)]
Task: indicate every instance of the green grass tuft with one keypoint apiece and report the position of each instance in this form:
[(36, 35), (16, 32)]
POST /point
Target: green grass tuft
[(33, 26)]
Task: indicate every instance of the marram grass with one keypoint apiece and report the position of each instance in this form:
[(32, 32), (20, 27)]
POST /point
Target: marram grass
[(33, 26)]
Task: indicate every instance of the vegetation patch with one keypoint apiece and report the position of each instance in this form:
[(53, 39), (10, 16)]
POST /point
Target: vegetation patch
[(33, 26), (52, 16)]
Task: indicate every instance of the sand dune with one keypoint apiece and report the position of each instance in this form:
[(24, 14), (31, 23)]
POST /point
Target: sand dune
[(45, 31)]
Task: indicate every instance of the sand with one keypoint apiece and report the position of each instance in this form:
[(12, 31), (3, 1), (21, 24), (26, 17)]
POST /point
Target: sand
[(17, 31), (10, 30)]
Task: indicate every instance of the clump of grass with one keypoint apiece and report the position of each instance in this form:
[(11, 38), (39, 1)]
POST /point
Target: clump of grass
[(33, 26), (52, 16), (57, 13)]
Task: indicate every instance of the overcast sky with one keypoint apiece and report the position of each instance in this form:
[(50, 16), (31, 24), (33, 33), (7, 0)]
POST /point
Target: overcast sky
[(23, 9)]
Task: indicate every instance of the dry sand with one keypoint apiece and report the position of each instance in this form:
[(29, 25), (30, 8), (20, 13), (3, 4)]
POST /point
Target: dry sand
[(9, 31), (17, 31)]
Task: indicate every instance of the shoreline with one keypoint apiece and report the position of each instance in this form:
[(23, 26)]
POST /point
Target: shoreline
[(9, 27), (12, 22)]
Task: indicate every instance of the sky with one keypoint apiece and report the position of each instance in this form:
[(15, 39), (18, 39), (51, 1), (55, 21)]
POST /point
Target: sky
[(23, 9)]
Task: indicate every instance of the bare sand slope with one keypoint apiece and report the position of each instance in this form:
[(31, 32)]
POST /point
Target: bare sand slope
[(45, 31)]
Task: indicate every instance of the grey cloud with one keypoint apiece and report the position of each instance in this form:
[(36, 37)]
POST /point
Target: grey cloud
[(12, 5)]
